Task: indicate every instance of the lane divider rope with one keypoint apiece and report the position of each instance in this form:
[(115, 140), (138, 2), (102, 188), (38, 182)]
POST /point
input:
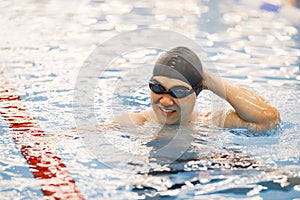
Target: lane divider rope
[(46, 166)]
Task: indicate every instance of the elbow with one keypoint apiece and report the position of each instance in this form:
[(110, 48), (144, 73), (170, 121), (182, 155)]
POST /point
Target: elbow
[(270, 122), (272, 118)]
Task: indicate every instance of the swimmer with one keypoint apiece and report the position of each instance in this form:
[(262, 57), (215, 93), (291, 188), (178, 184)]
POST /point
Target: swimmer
[(179, 77)]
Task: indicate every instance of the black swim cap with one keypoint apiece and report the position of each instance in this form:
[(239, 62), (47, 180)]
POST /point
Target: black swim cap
[(180, 63)]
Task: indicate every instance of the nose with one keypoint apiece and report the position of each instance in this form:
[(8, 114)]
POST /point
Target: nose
[(166, 100)]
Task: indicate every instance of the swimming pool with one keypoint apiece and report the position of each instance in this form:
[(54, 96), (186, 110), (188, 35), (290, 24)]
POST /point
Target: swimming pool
[(44, 45)]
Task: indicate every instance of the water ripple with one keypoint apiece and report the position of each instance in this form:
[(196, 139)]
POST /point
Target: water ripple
[(44, 44)]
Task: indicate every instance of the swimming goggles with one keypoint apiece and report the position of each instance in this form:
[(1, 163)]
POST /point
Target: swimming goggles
[(176, 91)]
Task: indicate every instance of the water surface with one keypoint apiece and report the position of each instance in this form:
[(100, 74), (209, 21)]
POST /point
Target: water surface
[(44, 45)]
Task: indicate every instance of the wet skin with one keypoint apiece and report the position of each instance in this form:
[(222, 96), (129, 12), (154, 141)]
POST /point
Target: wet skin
[(171, 110), (249, 110)]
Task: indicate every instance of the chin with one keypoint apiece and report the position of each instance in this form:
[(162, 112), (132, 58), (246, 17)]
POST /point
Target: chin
[(172, 123), (169, 121)]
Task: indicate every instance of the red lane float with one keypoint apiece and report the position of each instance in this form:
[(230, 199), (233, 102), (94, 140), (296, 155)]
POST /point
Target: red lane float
[(45, 165)]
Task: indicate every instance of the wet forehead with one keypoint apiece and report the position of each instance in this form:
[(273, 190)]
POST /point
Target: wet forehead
[(170, 82)]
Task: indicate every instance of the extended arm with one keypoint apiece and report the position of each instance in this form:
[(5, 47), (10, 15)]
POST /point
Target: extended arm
[(250, 110)]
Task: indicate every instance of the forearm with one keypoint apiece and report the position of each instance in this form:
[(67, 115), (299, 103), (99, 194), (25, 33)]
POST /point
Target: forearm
[(248, 105)]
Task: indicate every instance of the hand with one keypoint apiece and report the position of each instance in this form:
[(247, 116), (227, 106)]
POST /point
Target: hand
[(204, 78)]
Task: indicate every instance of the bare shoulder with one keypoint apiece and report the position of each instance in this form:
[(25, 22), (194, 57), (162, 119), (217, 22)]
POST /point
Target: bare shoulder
[(133, 118), (216, 118)]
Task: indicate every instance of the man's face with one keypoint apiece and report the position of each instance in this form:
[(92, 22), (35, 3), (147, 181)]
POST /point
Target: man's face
[(171, 110)]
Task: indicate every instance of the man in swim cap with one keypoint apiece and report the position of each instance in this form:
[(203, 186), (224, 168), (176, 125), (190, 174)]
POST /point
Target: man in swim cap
[(179, 77)]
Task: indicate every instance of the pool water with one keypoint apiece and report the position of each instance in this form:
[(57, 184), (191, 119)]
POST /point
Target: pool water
[(43, 47)]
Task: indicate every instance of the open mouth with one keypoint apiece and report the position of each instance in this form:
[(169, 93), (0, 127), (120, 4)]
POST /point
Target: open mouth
[(167, 112)]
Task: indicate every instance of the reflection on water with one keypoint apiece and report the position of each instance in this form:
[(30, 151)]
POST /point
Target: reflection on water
[(44, 44), (208, 164)]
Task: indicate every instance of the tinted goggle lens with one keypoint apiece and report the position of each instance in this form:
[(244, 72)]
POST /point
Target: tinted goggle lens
[(176, 92)]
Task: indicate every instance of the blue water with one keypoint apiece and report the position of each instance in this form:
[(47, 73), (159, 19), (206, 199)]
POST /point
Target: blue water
[(44, 45)]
